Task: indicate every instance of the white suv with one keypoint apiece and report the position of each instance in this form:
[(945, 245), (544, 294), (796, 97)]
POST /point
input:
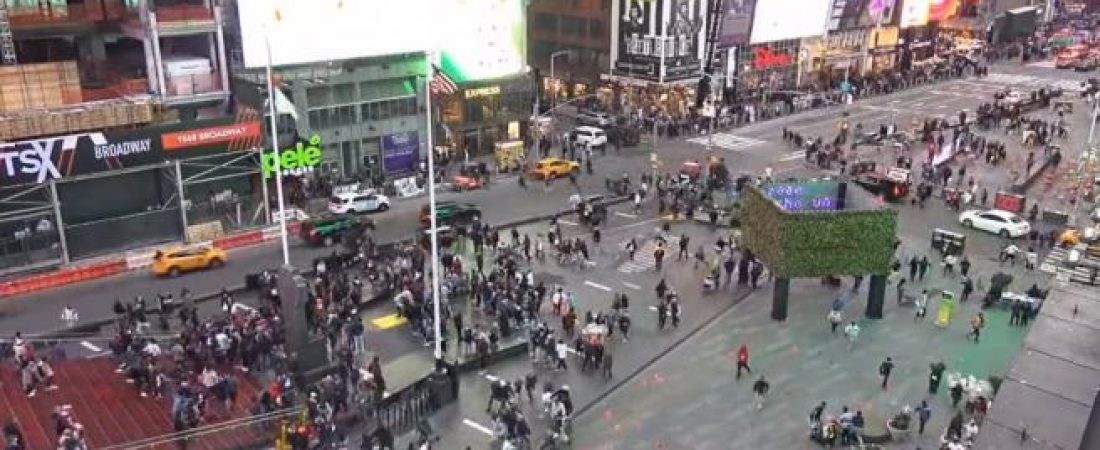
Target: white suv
[(599, 119), (589, 136), (361, 202)]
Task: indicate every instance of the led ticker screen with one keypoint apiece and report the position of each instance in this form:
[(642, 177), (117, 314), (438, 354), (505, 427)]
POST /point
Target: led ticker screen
[(806, 196)]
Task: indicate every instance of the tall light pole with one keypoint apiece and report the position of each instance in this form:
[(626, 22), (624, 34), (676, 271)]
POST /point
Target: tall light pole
[(437, 327), (553, 56), (275, 152)]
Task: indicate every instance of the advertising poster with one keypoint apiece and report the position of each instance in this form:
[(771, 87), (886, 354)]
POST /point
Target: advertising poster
[(778, 20), (736, 23), (40, 160), (851, 14), (637, 39), (914, 13), (684, 40), (400, 152)]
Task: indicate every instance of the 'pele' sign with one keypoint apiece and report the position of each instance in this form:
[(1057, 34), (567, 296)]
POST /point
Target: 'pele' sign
[(299, 160)]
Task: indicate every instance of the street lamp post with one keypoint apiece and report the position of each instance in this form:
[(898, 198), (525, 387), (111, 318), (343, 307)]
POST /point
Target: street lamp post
[(433, 221), (553, 56)]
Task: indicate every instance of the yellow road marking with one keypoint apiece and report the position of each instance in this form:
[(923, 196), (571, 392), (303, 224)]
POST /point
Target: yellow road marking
[(388, 321)]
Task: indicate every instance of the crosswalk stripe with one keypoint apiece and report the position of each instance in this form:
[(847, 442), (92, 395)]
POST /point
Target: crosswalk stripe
[(726, 141)]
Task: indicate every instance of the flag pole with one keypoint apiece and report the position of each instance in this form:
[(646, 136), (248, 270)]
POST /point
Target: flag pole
[(275, 152), (437, 326)]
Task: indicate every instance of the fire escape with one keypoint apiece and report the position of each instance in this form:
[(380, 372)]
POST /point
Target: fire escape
[(7, 44)]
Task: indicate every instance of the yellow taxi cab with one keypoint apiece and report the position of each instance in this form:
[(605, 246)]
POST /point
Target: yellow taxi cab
[(174, 261), (554, 167)]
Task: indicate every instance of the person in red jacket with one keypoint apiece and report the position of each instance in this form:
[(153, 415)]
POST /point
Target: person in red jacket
[(743, 360)]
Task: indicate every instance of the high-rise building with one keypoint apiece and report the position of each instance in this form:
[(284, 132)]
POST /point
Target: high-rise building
[(576, 34)]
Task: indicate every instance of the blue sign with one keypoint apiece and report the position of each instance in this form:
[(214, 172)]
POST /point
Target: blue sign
[(400, 152), (806, 196)]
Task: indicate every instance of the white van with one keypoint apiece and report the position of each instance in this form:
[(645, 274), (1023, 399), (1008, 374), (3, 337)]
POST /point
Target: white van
[(354, 203)]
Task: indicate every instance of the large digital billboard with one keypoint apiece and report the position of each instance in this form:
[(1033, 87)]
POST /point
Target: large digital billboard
[(778, 20), (475, 39), (914, 13), (658, 40), (736, 23)]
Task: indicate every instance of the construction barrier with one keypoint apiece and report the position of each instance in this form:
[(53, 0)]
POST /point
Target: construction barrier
[(62, 277), (139, 259), (239, 240)]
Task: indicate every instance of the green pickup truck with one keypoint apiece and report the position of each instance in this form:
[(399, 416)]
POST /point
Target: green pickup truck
[(329, 230)]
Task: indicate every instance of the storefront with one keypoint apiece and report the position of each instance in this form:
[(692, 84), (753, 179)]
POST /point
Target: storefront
[(769, 67), (842, 53), (483, 113), (882, 49), (915, 45)]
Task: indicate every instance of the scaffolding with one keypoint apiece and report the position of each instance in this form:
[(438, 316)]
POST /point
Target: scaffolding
[(7, 43)]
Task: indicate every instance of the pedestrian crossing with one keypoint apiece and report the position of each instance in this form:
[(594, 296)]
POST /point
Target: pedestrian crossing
[(1031, 82), (727, 141), (643, 259), (1056, 263)]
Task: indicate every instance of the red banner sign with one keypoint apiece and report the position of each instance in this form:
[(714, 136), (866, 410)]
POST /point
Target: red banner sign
[(233, 133), (763, 58)]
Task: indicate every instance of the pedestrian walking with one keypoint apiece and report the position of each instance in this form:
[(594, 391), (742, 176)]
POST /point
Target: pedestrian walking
[(949, 262), (631, 248), (662, 314), (1031, 258), (976, 324), (921, 306), (914, 265), (967, 288), (760, 390), (935, 374), (674, 310), (69, 316), (884, 370), (956, 394), (658, 257), (922, 268), (834, 317), (901, 289), (815, 414), (743, 360), (684, 240), (852, 331), (924, 412), (964, 266)]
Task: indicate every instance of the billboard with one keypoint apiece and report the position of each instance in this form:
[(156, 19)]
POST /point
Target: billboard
[(400, 152), (736, 23), (778, 20), (914, 13), (40, 160), (851, 14), (658, 40), (475, 39), (942, 9)]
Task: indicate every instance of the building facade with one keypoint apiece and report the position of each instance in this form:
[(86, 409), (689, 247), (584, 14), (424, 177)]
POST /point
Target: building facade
[(579, 33)]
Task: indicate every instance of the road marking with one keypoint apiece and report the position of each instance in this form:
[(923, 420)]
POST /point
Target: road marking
[(794, 156), (597, 285), (727, 141), (622, 214), (99, 355), (388, 321), (566, 222), (653, 308), (90, 346), (477, 426), (492, 378), (631, 285)]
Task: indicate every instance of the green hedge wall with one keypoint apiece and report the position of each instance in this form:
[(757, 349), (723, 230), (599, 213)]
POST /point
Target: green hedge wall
[(817, 243)]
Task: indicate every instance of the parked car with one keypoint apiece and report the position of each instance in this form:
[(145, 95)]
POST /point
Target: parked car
[(450, 213), (549, 168), (358, 202), (590, 136), (328, 230), (593, 118), (175, 261), (1003, 223)]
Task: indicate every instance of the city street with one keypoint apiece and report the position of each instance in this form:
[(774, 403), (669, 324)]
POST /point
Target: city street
[(674, 389)]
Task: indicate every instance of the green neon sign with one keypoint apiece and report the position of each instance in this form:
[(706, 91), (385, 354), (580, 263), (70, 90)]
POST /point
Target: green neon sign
[(299, 160)]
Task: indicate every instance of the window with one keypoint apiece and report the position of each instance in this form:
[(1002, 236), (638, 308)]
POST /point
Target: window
[(572, 25), (319, 96), (343, 93), (595, 28), (546, 22)]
